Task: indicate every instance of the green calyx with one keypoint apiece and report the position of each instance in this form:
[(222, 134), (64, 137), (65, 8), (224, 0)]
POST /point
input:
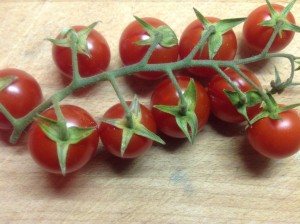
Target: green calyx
[(219, 28), (248, 99), (6, 81), (186, 118), (81, 39), (136, 127), (168, 37), (64, 136), (277, 85), (280, 18), (272, 110)]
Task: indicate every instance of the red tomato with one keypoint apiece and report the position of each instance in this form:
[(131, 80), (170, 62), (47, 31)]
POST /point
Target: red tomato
[(88, 66), (20, 97), (132, 53), (221, 106), (252, 30), (44, 151), (191, 36), (111, 136), (276, 138), (165, 94)]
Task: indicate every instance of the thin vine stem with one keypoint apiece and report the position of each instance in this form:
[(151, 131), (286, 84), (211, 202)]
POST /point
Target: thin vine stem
[(183, 104), (128, 113)]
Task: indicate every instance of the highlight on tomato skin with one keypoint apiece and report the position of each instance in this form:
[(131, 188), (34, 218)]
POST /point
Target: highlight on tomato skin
[(44, 152), (111, 136), (20, 97), (165, 94), (97, 62), (251, 30), (221, 106), (131, 53), (276, 139)]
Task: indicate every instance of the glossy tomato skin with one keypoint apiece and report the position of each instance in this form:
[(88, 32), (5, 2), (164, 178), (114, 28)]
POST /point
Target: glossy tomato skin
[(111, 136), (276, 138), (221, 106), (132, 53), (88, 66), (20, 97), (43, 150), (166, 94), (191, 36), (256, 37)]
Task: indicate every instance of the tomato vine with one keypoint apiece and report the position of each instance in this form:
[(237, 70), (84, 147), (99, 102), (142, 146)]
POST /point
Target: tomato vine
[(184, 111)]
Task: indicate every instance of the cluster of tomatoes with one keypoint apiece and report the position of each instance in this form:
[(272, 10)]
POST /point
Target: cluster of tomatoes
[(20, 93)]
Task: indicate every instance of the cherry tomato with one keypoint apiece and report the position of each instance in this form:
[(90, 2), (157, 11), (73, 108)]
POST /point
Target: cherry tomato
[(44, 150), (221, 106), (111, 136), (252, 30), (88, 66), (20, 97), (165, 94), (191, 36), (276, 138), (132, 53)]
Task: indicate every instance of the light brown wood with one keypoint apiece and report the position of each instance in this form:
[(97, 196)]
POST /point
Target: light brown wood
[(219, 179)]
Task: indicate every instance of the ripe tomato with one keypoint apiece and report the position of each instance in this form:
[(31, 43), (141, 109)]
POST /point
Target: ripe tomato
[(276, 138), (44, 150), (191, 36), (88, 66), (111, 136), (165, 94), (132, 53), (251, 30), (20, 97), (221, 106)]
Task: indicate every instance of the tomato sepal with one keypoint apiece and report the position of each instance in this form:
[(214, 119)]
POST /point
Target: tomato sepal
[(220, 27), (168, 36), (186, 119), (6, 81), (135, 128), (81, 39), (53, 130), (280, 17), (249, 99)]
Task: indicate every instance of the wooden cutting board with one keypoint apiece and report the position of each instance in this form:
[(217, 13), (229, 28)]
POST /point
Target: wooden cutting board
[(219, 179)]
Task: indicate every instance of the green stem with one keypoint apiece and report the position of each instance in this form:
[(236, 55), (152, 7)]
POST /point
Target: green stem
[(182, 102), (128, 113), (78, 82), (8, 115), (264, 96), (61, 121), (272, 38), (152, 47), (74, 40), (200, 44), (229, 81)]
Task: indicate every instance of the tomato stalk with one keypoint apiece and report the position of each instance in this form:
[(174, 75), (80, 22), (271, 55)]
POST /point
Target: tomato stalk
[(128, 113), (78, 82), (61, 122), (74, 40), (200, 44), (271, 40)]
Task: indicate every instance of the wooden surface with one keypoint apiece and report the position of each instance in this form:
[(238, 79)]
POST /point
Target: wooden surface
[(219, 179)]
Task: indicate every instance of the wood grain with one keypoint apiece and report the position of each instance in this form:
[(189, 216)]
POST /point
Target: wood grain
[(219, 179)]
